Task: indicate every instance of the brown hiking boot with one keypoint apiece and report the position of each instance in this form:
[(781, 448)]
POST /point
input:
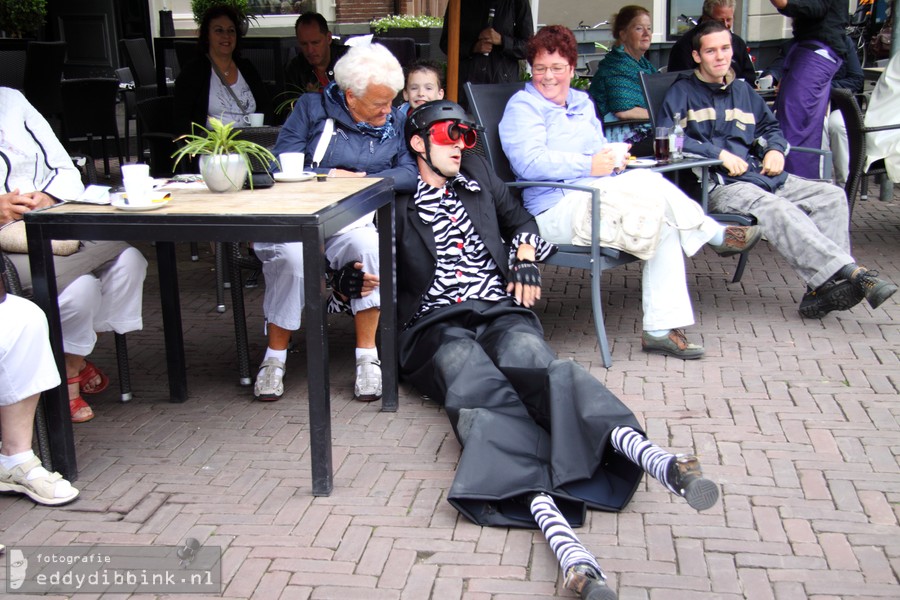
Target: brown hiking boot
[(738, 240), (875, 290)]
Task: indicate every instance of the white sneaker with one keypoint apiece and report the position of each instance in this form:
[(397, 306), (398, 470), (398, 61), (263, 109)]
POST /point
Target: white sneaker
[(368, 379), (269, 384)]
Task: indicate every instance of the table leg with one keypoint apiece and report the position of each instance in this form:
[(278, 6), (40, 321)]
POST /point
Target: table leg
[(317, 360), (171, 313), (240, 317), (704, 188), (55, 402), (388, 320)]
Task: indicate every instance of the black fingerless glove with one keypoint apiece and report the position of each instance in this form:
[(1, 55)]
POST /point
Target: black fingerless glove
[(526, 272), (348, 281)]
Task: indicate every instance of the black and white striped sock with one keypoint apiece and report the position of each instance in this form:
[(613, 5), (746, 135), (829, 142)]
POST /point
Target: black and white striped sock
[(563, 541), (651, 458)]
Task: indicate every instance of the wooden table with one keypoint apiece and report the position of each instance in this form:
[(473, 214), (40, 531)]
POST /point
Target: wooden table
[(308, 212), (873, 73)]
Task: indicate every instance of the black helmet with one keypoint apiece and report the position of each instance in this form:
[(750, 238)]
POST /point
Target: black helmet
[(435, 111)]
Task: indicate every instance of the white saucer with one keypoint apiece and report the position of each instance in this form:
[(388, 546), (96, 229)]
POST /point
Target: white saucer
[(288, 177), (641, 163), (156, 204)]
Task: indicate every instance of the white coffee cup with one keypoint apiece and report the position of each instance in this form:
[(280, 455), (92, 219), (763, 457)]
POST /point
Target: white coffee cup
[(619, 149), (137, 190), (765, 82), (254, 119), (291, 162), (135, 170)]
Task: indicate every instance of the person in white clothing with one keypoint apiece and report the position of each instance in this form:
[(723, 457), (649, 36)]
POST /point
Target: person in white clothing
[(26, 369), (884, 108), (101, 285), (550, 132)]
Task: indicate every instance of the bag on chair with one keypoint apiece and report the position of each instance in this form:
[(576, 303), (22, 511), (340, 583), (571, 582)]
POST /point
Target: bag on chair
[(13, 239), (629, 220)]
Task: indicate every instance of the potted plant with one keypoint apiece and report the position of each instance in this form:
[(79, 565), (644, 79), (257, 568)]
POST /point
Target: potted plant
[(22, 18), (224, 159), (241, 7), (424, 30)]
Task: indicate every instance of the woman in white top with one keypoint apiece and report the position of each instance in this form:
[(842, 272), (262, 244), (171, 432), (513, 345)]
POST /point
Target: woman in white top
[(101, 285)]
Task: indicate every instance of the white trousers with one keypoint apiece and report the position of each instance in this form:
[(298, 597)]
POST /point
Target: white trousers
[(109, 299), (836, 139), (26, 360), (283, 270), (665, 298)]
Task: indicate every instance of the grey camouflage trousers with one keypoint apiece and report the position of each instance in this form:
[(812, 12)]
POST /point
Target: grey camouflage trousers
[(807, 221)]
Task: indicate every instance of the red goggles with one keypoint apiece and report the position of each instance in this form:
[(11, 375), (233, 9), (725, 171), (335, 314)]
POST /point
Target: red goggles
[(446, 133)]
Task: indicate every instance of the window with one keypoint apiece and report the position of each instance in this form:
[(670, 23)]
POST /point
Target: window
[(680, 14)]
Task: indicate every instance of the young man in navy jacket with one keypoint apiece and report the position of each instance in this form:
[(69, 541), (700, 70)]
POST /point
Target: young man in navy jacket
[(807, 221)]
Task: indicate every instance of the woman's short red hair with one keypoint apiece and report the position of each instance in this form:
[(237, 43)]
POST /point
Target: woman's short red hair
[(553, 38)]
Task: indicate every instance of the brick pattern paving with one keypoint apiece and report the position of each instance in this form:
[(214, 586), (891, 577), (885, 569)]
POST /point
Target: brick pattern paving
[(796, 420)]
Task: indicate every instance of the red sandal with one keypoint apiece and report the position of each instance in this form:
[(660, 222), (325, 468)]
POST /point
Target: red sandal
[(79, 409), (88, 373)]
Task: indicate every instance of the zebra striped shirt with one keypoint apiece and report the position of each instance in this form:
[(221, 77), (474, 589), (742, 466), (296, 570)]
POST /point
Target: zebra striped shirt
[(465, 269)]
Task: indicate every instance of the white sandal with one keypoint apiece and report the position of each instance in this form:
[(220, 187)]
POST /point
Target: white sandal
[(44, 488)]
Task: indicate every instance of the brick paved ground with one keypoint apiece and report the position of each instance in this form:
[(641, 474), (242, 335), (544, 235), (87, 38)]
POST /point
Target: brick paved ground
[(796, 420)]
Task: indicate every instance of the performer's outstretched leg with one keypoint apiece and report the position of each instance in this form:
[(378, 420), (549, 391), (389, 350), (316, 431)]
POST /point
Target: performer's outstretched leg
[(583, 574), (681, 473)]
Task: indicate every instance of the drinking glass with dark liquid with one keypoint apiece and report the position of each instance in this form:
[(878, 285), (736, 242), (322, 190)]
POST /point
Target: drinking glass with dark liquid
[(661, 145)]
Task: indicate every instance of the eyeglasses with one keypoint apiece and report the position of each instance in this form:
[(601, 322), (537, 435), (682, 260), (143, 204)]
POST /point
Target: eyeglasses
[(446, 133), (555, 69)]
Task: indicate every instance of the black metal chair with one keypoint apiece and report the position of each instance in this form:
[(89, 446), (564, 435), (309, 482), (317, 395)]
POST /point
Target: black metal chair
[(129, 100), (43, 77), (487, 102), (139, 59), (89, 111), (156, 122), (857, 178), (403, 48), (655, 88), (235, 252)]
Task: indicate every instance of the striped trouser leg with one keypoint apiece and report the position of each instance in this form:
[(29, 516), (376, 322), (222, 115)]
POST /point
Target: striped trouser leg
[(582, 572), (645, 454), (563, 541)]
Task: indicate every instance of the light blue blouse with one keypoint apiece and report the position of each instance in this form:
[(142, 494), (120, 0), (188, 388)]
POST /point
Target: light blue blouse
[(548, 142)]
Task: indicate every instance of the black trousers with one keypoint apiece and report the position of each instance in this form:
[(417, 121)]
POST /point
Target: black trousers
[(528, 422)]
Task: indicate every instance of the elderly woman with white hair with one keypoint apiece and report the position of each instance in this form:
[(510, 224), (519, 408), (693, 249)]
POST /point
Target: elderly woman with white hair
[(351, 129)]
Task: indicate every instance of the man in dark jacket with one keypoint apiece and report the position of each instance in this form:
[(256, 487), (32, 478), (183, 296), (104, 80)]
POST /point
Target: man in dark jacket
[(680, 58), (313, 68), (490, 47), (542, 439), (807, 221)]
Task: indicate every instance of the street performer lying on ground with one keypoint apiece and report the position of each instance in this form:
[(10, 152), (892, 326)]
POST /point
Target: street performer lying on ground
[(542, 439)]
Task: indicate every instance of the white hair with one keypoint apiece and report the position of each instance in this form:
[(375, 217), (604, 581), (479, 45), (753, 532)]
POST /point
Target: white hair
[(366, 65)]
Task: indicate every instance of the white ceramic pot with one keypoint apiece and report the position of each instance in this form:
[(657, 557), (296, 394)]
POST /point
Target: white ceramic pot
[(223, 172)]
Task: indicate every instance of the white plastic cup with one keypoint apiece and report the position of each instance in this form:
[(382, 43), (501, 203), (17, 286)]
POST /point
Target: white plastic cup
[(765, 82), (291, 162), (137, 190), (619, 149), (254, 119)]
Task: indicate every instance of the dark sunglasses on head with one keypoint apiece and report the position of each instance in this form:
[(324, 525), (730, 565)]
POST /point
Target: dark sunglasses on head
[(446, 133)]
